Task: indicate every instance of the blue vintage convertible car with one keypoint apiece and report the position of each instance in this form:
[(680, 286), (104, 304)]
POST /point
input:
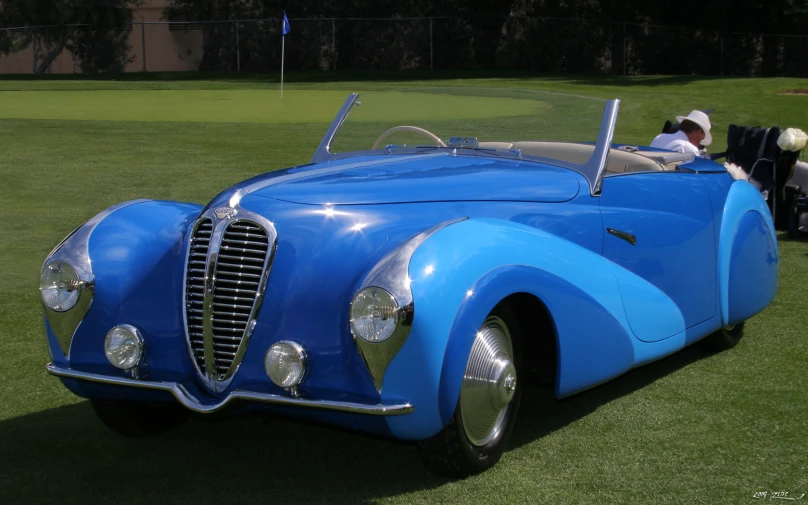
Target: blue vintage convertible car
[(408, 290)]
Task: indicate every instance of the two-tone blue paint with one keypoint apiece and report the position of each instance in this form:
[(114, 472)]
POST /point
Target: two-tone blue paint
[(530, 230), (675, 242), (456, 288)]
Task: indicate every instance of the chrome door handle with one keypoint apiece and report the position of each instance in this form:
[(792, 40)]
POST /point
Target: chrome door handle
[(628, 237)]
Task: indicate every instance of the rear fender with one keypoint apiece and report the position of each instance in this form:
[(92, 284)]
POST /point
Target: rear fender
[(748, 255)]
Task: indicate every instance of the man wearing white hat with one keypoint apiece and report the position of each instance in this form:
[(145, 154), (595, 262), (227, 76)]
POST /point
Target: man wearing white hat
[(694, 132)]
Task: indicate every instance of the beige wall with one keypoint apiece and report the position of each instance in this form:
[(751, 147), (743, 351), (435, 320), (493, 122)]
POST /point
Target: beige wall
[(165, 50), (23, 62)]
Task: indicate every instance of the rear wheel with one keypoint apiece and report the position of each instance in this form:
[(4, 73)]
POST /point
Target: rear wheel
[(725, 338), (486, 411), (139, 419)]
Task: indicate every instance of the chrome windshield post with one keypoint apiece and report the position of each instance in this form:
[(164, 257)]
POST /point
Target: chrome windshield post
[(594, 169), (323, 152)]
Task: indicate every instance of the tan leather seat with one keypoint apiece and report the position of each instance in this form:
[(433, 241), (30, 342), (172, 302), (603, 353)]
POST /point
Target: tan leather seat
[(619, 161)]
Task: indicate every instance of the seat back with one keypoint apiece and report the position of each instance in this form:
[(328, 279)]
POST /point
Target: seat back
[(619, 161)]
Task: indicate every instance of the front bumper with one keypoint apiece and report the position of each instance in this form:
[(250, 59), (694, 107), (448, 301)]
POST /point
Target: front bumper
[(188, 400)]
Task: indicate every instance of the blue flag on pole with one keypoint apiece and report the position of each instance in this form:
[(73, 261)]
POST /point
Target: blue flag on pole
[(286, 28)]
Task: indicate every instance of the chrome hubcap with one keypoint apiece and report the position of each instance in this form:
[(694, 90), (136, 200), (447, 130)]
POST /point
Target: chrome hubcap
[(489, 383), (502, 383)]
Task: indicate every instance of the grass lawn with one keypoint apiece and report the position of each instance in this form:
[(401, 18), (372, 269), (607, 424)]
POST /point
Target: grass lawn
[(692, 428), (245, 106)]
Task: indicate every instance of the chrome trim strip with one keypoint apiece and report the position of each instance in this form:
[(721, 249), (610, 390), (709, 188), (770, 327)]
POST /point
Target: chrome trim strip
[(594, 169), (628, 237), (323, 152), (185, 305), (185, 398), (392, 274), (211, 372), (74, 249), (64, 324), (83, 233)]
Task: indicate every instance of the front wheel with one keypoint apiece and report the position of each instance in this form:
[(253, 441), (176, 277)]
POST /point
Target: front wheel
[(725, 338), (486, 411), (139, 419)]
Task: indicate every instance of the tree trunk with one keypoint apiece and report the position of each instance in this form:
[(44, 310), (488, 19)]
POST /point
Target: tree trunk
[(617, 45), (51, 54), (771, 46)]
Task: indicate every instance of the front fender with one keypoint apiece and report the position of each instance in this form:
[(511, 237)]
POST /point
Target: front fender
[(460, 273), (137, 258)]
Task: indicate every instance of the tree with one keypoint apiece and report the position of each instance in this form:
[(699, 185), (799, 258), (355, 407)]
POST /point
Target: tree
[(94, 31), (689, 36), (218, 39)]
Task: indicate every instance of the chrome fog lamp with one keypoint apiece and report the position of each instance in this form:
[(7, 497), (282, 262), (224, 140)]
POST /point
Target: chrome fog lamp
[(285, 363), (124, 346), (59, 286), (374, 315)]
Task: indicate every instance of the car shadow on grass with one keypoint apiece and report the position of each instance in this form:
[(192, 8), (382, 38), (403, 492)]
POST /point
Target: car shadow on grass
[(66, 455), (542, 414)]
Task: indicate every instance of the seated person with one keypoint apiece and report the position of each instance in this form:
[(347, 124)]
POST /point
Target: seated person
[(694, 132)]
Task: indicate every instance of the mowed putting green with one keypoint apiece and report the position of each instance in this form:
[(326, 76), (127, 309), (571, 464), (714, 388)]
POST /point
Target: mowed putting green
[(254, 106)]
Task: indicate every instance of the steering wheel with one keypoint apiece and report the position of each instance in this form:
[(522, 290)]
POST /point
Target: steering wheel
[(413, 129)]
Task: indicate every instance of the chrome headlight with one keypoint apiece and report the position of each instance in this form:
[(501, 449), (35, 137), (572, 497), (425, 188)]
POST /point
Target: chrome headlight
[(59, 286), (67, 284), (374, 314), (285, 363), (124, 346)]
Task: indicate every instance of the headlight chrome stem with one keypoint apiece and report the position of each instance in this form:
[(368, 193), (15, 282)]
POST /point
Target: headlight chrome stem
[(392, 275), (74, 250), (64, 324)]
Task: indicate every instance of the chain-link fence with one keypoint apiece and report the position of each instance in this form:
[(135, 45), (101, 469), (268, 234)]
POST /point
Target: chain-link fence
[(534, 43)]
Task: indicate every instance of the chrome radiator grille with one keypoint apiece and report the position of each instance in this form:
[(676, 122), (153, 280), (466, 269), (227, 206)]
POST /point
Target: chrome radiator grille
[(225, 277), (195, 289), (239, 268)]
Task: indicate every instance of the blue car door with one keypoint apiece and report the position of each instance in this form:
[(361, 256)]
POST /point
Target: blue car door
[(659, 226)]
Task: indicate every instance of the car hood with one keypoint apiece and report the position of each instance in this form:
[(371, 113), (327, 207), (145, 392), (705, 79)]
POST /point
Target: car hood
[(437, 177)]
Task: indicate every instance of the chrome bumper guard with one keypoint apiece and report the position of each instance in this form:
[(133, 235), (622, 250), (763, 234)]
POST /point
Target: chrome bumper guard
[(184, 397)]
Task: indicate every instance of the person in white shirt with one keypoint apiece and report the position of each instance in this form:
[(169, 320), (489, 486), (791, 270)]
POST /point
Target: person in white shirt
[(694, 132)]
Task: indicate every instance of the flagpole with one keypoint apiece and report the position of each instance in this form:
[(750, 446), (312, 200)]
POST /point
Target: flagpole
[(284, 30), (283, 51)]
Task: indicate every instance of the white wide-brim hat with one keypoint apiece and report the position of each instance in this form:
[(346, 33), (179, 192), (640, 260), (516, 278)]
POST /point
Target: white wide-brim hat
[(703, 121)]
